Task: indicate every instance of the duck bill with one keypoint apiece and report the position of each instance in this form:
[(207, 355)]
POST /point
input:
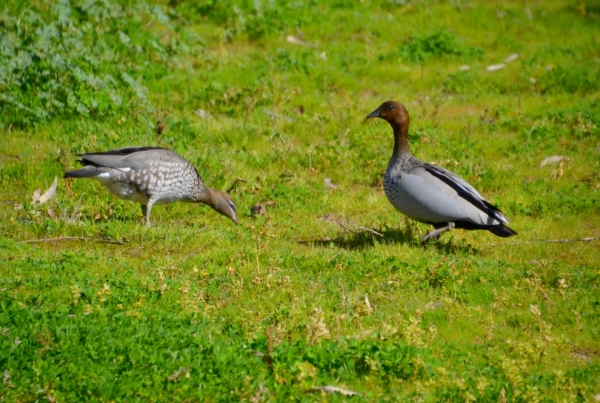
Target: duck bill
[(374, 114)]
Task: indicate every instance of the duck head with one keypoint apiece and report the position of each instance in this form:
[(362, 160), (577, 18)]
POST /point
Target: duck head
[(224, 204), (391, 111), (397, 116)]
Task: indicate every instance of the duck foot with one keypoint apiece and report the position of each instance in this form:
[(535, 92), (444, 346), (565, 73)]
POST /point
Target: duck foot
[(437, 232)]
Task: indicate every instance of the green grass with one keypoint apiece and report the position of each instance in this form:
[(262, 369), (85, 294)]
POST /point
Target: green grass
[(198, 309)]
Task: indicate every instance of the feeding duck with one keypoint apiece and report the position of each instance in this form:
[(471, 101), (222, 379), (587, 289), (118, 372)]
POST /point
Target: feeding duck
[(150, 176)]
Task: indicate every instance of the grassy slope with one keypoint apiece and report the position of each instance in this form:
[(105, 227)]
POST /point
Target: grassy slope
[(196, 294)]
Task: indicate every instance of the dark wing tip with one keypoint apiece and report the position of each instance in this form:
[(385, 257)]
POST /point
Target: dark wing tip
[(502, 231)]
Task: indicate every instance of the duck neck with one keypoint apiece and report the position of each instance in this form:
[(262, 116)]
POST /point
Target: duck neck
[(204, 195), (401, 147)]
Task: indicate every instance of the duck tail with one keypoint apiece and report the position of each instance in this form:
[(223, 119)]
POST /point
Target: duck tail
[(502, 230), (82, 173)]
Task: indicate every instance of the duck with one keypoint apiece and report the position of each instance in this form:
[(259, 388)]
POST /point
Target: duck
[(429, 193), (152, 176)]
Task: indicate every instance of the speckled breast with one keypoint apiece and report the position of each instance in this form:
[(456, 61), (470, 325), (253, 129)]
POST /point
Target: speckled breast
[(392, 188)]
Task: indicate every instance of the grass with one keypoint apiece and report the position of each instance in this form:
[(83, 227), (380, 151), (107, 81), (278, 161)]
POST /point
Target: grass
[(198, 309)]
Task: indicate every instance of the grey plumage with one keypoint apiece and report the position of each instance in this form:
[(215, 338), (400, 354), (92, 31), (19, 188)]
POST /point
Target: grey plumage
[(151, 176), (431, 194)]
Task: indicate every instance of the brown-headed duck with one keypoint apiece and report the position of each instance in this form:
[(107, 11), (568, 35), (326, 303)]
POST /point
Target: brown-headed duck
[(429, 193)]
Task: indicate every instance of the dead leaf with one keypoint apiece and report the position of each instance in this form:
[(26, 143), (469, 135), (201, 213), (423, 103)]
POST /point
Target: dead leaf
[(201, 113), (48, 195), (464, 67), (294, 40), (512, 58), (535, 310), (334, 389), (557, 173), (51, 214), (368, 303), (36, 195), (581, 355), (554, 160), (495, 67), (6, 379), (502, 398), (276, 115), (180, 373), (329, 184)]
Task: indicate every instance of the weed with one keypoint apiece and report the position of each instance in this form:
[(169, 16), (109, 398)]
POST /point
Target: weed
[(440, 43), (65, 58), (571, 79)]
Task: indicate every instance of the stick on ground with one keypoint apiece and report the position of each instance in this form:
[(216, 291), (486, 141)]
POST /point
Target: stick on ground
[(73, 238), (549, 241)]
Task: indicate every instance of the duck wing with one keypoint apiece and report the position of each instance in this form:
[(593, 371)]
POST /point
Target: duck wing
[(465, 191), (129, 157)]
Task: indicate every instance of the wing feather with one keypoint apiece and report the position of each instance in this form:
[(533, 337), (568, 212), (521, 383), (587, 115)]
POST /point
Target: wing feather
[(466, 191)]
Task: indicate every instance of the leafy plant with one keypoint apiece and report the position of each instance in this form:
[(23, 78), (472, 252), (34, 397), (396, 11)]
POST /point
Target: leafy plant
[(80, 58), (571, 79), (257, 19), (440, 43)]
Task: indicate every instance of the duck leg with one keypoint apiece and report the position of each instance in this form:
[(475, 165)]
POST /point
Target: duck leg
[(147, 209), (437, 232)]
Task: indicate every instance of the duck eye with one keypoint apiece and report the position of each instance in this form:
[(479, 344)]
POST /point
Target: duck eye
[(391, 107)]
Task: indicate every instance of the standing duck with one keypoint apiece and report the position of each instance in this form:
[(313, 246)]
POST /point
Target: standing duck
[(149, 176), (431, 194)]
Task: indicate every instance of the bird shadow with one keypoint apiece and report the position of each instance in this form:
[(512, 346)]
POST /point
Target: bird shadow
[(364, 240)]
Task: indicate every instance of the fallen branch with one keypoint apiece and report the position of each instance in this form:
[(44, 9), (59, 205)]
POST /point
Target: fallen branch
[(549, 241), (73, 238)]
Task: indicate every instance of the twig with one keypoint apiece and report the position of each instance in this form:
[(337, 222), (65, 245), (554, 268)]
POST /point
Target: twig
[(372, 231), (549, 241), (331, 218), (190, 255), (73, 238), (12, 194), (311, 240)]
